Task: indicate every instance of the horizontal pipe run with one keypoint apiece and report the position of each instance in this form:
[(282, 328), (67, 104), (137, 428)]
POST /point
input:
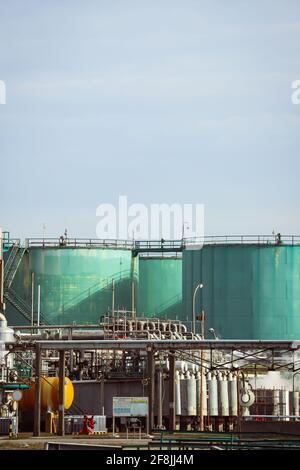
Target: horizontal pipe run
[(169, 344)]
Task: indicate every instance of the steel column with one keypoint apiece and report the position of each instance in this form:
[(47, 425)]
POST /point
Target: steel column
[(37, 403), (151, 385), (61, 393), (172, 415)]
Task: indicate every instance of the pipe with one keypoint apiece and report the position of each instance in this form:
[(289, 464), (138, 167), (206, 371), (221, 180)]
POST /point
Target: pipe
[(79, 335), (39, 306)]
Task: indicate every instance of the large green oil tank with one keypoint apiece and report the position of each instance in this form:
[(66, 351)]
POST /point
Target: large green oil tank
[(250, 291), (76, 283), (160, 287)]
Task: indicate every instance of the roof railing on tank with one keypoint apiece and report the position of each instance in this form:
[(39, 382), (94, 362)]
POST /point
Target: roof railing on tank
[(148, 246), (13, 242), (274, 239), (79, 243)]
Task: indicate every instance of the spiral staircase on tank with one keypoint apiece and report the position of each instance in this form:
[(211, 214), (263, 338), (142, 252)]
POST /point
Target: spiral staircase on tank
[(10, 269)]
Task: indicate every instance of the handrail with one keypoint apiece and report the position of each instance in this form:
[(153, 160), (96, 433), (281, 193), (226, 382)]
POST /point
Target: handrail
[(163, 244), (79, 242), (277, 240)]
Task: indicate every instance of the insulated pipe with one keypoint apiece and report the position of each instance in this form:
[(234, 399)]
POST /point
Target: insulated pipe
[(223, 395), (233, 395), (90, 334), (294, 403), (172, 415), (275, 403), (177, 394), (61, 394), (39, 306), (160, 399), (191, 395), (212, 387)]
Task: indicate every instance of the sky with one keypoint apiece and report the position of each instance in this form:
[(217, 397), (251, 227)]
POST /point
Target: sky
[(164, 101)]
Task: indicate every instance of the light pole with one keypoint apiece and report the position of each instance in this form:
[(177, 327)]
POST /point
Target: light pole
[(199, 286), (212, 331)]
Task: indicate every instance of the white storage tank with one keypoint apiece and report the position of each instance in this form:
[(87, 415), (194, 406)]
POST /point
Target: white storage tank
[(212, 390)]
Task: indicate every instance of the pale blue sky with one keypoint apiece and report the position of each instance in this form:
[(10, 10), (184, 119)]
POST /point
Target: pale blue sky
[(163, 100)]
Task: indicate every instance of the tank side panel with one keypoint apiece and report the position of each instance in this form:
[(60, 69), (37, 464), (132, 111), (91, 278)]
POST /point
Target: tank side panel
[(249, 291), (76, 284), (160, 287)]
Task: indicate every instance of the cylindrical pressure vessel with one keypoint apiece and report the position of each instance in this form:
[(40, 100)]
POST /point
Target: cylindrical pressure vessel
[(275, 403), (233, 395), (204, 393), (284, 403), (49, 395), (294, 403), (191, 395), (223, 395), (177, 394), (212, 389)]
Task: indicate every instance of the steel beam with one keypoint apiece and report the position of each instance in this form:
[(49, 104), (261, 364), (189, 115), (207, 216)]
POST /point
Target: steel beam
[(169, 344)]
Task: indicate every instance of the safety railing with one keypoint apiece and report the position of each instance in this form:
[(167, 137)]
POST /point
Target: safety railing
[(148, 246), (78, 242), (273, 239)]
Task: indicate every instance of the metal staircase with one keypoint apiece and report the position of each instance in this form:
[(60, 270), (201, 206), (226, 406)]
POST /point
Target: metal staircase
[(21, 305), (16, 301), (12, 265), (10, 269)]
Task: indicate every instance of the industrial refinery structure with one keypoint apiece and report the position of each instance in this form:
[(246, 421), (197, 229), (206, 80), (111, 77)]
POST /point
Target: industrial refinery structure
[(186, 335)]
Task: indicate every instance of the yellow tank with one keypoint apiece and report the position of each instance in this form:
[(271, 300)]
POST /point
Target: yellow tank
[(49, 395)]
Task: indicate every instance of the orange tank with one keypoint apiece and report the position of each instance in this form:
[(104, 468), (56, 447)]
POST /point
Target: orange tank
[(49, 395)]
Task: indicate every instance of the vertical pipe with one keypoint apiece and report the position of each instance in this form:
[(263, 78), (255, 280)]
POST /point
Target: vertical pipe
[(233, 396), (102, 394), (37, 402), (61, 394), (201, 376), (151, 380), (32, 298), (2, 306), (212, 386), (159, 399), (172, 415), (295, 403), (71, 360), (275, 403), (39, 305), (223, 395), (177, 394), (1, 284), (132, 299), (113, 306)]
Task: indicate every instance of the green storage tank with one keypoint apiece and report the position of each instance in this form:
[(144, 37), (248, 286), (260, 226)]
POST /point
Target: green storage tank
[(76, 283), (250, 291), (160, 287)]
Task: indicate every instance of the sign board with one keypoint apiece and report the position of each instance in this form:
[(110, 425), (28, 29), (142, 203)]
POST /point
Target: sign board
[(130, 406)]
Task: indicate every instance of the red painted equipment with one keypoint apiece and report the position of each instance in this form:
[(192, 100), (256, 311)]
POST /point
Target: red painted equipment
[(88, 425)]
